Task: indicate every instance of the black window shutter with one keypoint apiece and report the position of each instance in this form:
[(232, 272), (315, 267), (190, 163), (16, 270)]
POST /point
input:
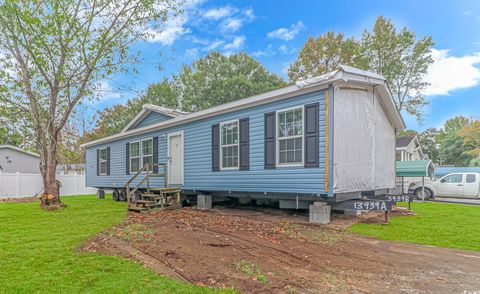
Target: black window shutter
[(98, 162), (216, 147), (108, 161), (269, 143), (311, 135), (244, 143), (155, 154), (127, 159)]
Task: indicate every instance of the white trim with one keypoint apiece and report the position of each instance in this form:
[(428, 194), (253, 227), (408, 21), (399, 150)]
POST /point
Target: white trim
[(18, 149), (141, 150), (130, 156), (146, 110), (169, 135), (230, 145), (141, 115), (100, 162), (277, 138), (344, 75)]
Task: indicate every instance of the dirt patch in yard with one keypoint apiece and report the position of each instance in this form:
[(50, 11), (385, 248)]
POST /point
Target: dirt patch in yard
[(276, 252)]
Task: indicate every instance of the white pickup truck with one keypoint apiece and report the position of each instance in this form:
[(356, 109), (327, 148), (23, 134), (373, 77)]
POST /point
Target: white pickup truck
[(459, 185)]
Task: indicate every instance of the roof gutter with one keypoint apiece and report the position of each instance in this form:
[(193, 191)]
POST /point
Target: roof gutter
[(272, 96)]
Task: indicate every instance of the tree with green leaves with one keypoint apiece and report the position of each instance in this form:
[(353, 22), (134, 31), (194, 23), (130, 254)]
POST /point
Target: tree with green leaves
[(212, 80), (471, 141), (216, 79), (402, 60), (325, 54), (55, 52), (396, 54), (428, 141), (453, 151)]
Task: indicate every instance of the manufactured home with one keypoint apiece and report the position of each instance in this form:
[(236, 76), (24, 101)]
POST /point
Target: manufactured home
[(327, 138)]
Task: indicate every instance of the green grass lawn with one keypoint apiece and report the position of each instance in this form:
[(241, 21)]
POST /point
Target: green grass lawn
[(38, 252), (438, 224)]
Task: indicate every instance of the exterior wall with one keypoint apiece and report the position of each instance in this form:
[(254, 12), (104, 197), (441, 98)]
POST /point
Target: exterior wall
[(363, 142), (198, 174), (409, 153), (152, 118), (13, 161)]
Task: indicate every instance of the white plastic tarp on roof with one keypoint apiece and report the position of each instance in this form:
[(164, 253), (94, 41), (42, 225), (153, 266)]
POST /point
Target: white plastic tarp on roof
[(364, 142)]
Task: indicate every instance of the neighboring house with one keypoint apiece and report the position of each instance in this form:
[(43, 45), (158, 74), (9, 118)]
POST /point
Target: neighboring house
[(328, 137), (408, 148), (14, 159)]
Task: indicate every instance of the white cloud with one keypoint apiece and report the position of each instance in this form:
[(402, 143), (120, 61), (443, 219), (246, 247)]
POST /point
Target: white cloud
[(287, 34), (218, 13), (191, 53), (214, 45), (249, 14), (268, 51), (449, 73), (286, 50), (171, 32), (174, 27), (466, 12), (235, 45), (231, 25), (105, 91)]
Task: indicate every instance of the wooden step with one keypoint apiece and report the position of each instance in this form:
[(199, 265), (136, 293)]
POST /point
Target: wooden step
[(138, 209), (144, 202)]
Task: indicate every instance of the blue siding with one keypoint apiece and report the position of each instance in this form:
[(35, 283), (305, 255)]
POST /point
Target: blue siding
[(198, 174), (152, 118)]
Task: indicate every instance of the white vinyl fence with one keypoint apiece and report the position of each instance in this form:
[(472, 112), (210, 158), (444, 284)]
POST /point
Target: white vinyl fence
[(28, 185)]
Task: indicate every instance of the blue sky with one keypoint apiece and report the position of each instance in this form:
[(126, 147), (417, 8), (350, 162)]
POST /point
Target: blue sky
[(273, 32)]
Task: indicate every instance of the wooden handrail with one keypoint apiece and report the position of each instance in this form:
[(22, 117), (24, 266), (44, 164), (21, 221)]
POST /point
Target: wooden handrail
[(147, 167)]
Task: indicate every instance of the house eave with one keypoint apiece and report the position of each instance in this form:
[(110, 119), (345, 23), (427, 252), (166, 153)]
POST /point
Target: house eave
[(344, 74), (19, 150)]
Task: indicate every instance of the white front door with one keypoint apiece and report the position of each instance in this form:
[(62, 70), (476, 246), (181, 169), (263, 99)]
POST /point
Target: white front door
[(175, 158)]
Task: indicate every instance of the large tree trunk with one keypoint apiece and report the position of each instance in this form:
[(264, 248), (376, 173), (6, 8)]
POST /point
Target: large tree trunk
[(48, 166)]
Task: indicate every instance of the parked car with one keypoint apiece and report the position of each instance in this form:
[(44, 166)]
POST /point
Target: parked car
[(459, 185)]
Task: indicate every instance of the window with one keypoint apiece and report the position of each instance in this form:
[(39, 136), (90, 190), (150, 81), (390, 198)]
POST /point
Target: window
[(229, 145), (141, 152), (453, 179), (147, 151), (134, 157), (398, 156), (102, 160), (290, 137), (470, 178)]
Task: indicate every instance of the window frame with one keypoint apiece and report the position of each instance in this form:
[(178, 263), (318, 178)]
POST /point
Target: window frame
[(100, 161), (277, 137), (141, 151), (471, 175), (450, 176), (140, 154), (229, 145), (130, 157)]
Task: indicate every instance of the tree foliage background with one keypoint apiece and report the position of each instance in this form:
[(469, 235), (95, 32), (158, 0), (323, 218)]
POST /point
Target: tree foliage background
[(212, 80), (457, 143), (396, 54), (54, 53)]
